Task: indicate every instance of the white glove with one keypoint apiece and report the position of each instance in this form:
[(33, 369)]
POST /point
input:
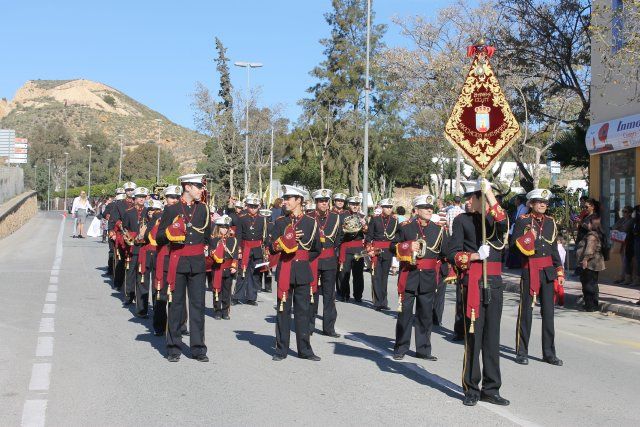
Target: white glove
[(483, 251)]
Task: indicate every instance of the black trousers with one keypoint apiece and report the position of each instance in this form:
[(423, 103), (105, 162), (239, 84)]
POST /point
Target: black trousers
[(298, 296), (328, 293), (193, 284), (355, 267), (590, 289), (160, 310), (119, 273), (110, 258), (247, 287), (423, 323), (458, 325), (131, 278), (485, 340), (438, 302), (268, 279), (142, 291), (380, 280), (523, 331), (223, 304)]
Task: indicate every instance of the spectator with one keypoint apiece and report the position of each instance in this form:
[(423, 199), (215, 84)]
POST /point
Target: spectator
[(103, 221), (625, 225), (80, 210), (401, 212), (590, 211), (590, 257), (276, 209), (453, 211), (636, 242)]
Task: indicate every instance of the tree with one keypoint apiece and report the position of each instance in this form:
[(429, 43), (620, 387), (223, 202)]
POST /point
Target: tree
[(142, 163), (571, 151)]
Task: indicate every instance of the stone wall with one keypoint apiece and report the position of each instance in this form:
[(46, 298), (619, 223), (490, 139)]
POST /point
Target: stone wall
[(16, 212), (11, 182)]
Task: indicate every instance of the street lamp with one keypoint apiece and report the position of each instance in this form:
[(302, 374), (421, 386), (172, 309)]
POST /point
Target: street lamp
[(248, 66), (66, 169), (158, 174), (367, 90), (89, 187), (120, 169), (49, 185)]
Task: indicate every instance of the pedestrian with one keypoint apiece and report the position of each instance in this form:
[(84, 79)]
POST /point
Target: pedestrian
[(482, 305), (625, 225), (80, 209), (417, 245), (223, 249), (535, 236), (186, 226), (453, 211), (276, 209), (590, 210), (297, 240), (590, 258), (636, 243)]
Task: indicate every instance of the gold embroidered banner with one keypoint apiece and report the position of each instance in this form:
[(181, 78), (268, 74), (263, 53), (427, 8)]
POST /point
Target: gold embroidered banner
[(482, 125)]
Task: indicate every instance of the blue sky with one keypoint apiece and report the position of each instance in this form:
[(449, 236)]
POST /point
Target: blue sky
[(156, 51)]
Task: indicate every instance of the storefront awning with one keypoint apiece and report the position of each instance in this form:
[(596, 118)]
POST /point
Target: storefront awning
[(614, 135)]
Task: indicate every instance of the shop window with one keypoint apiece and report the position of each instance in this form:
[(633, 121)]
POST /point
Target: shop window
[(618, 185)]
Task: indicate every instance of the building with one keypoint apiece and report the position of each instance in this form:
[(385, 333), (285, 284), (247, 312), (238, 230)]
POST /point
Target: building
[(613, 139)]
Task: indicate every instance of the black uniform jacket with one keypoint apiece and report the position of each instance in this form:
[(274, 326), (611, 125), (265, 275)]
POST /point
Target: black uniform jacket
[(253, 228), (419, 280), (132, 221), (546, 243), (198, 233), (310, 241), (230, 252), (330, 229), (382, 228), (118, 211), (466, 239)]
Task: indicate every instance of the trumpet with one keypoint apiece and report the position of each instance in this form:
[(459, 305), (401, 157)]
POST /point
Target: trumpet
[(420, 253), (126, 236), (365, 254)]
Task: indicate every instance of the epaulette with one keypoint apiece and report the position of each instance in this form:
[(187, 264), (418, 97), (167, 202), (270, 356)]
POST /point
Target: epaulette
[(405, 222), (527, 215), (241, 214)]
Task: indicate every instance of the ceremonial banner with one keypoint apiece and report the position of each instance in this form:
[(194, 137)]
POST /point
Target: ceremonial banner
[(482, 125)]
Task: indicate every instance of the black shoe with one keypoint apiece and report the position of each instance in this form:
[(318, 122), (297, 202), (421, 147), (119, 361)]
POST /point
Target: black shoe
[(470, 401), (313, 358), (358, 300), (142, 315), (217, 316), (553, 361), (427, 357), (74, 236), (267, 290), (158, 333), (398, 356), (495, 399), (173, 357), (202, 358), (128, 302), (333, 334), (226, 317), (457, 338), (254, 303), (235, 302), (522, 360), (278, 358)]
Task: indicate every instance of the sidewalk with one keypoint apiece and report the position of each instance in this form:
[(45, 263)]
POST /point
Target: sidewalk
[(616, 299)]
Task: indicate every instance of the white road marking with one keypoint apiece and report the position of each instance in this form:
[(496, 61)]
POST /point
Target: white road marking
[(584, 338), (33, 413), (45, 347), (51, 297), (52, 288), (53, 279), (49, 309), (55, 271), (40, 377), (47, 325), (637, 353)]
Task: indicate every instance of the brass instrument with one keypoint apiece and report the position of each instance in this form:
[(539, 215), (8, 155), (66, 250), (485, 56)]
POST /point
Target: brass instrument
[(266, 213), (352, 224), (420, 253), (365, 254), (127, 238)]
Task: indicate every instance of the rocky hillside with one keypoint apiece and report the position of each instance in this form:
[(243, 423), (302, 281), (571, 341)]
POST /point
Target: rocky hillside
[(83, 106)]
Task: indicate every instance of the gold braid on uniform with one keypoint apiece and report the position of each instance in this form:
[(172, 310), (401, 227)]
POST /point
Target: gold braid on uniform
[(393, 233), (206, 222), (230, 252), (555, 233), (504, 238), (335, 228), (307, 246), (437, 243)]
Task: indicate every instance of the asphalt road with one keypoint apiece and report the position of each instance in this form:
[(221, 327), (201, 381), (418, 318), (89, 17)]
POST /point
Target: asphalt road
[(70, 354)]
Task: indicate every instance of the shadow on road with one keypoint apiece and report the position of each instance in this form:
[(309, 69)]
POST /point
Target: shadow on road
[(408, 370), (266, 343)]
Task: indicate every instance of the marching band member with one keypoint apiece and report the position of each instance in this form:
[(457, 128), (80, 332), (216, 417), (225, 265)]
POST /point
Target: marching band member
[(352, 244), (417, 246), (132, 223), (382, 230), (297, 239), (535, 236), (115, 225), (147, 252), (339, 199), (482, 307), (223, 250), (186, 227), (325, 267)]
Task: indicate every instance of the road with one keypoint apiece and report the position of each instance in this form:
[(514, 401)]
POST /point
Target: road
[(70, 354)]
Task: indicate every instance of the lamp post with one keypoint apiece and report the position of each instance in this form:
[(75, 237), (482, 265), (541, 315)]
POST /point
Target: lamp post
[(89, 186), (66, 169), (248, 66), (49, 185), (158, 121), (120, 169), (367, 90)]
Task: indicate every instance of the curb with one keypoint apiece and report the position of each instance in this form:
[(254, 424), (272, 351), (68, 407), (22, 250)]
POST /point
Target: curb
[(573, 301)]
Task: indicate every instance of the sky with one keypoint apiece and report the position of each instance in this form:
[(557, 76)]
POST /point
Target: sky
[(156, 51)]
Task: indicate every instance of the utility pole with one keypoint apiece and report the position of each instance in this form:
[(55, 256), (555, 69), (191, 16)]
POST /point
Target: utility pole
[(49, 185), (367, 89), (120, 169), (66, 175), (89, 186), (158, 174)]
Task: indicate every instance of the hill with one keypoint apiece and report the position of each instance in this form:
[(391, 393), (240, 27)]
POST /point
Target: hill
[(84, 105)]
